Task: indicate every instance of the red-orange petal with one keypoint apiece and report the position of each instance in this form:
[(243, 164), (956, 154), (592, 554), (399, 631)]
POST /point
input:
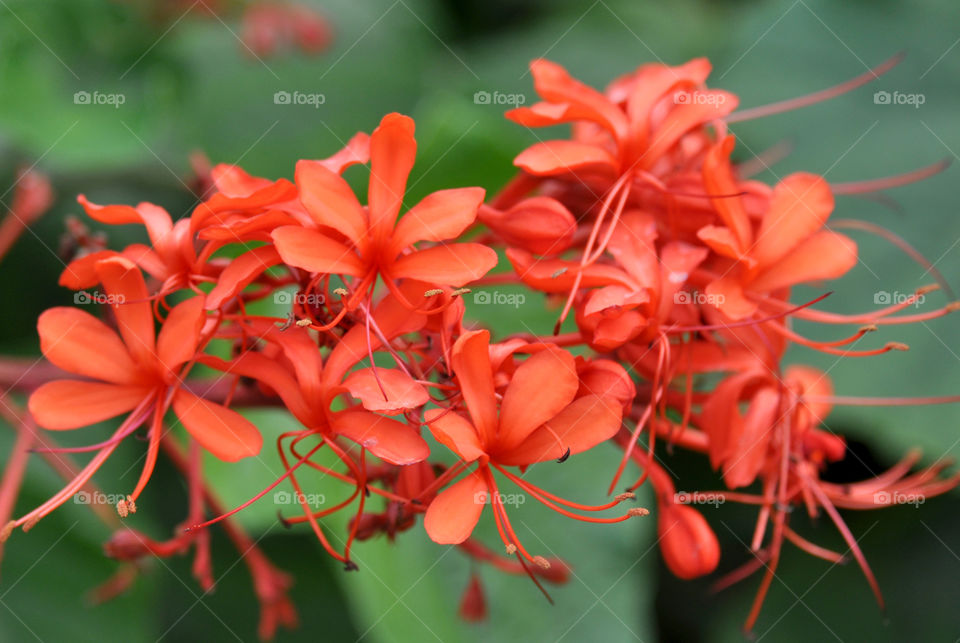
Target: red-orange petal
[(357, 150), (454, 265), (330, 200), (541, 387), (180, 333), (81, 273), (454, 432), (750, 450), (728, 296), (393, 150), (402, 392), (156, 220), (583, 424), (557, 275), (124, 283), (70, 404), (800, 205), (540, 224), (240, 273), (455, 511), (221, 431), (316, 252), (825, 255), (439, 216), (78, 342), (555, 84), (560, 157), (389, 440), (471, 362)]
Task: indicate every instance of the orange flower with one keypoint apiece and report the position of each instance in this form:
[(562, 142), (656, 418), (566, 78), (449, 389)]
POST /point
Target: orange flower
[(540, 418), (139, 371), (366, 242), (790, 246)]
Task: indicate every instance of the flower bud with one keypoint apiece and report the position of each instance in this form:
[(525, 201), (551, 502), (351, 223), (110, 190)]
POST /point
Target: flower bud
[(688, 544)]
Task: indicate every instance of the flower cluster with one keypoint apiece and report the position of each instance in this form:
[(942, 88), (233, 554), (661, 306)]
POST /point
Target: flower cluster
[(671, 271)]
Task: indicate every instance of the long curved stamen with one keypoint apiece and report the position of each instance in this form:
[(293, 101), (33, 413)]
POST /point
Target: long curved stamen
[(301, 500), (879, 317), (817, 345), (648, 412), (133, 422), (615, 189), (853, 400), (497, 502), (153, 449), (30, 519), (345, 478), (259, 495), (887, 182), (743, 572), (762, 161), (747, 322), (899, 242), (848, 537), (816, 97), (534, 490)]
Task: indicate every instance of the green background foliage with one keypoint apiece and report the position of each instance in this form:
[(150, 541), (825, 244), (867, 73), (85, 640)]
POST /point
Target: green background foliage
[(189, 85)]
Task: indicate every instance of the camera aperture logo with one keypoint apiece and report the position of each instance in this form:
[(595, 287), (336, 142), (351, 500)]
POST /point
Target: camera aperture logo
[(885, 498), (699, 498), (485, 498), (883, 97), (98, 498), (299, 98), (99, 98), (699, 98), (483, 97), (83, 297), (297, 498), (495, 298), (697, 297), (884, 298), (287, 298)]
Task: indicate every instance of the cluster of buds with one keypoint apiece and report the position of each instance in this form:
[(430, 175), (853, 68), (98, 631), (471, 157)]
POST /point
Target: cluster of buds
[(672, 269)]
